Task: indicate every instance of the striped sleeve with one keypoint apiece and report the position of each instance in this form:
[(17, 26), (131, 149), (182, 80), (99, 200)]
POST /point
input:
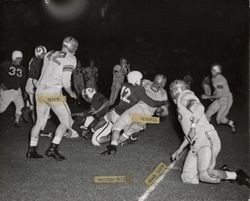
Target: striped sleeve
[(69, 68)]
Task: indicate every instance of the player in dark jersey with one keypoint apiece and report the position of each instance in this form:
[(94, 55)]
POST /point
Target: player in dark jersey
[(98, 108), (131, 93), (35, 67), (12, 82)]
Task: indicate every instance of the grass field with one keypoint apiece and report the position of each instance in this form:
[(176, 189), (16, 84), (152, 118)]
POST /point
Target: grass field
[(45, 179)]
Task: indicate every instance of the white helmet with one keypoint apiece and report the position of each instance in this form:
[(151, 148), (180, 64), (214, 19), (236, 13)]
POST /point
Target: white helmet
[(88, 93), (134, 77), (176, 87), (216, 67), (16, 54), (40, 51), (71, 44)]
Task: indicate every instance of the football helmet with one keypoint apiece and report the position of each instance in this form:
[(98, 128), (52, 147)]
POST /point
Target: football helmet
[(161, 80), (88, 93), (217, 68), (176, 87), (16, 54), (40, 51), (71, 44), (134, 77)]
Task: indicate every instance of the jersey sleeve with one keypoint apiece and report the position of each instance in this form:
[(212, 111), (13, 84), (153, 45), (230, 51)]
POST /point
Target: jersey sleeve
[(193, 104), (141, 94), (67, 69)]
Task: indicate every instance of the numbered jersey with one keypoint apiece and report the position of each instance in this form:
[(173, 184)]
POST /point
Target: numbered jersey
[(13, 76), (130, 95), (187, 108), (221, 86), (55, 64), (35, 67)]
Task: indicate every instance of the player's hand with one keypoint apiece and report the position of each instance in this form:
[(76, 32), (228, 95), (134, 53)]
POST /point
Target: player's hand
[(176, 154), (73, 95), (110, 149)]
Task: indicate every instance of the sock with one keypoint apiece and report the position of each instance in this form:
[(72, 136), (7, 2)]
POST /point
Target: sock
[(56, 140), (230, 123), (33, 141), (231, 175)]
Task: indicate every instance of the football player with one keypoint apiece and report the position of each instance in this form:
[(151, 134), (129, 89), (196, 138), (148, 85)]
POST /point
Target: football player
[(12, 84), (98, 108), (56, 74), (154, 90), (119, 73), (131, 93), (35, 67), (91, 75), (204, 141), (78, 79), (223, 98)]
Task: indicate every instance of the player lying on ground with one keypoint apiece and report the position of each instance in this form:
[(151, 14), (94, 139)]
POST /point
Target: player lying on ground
[(124, 123), (131, 93), (204, 141), (223, 98), (98, 108), (56, 74)]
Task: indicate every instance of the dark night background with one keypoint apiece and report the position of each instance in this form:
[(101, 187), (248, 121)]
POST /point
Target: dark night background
[(172, 37)]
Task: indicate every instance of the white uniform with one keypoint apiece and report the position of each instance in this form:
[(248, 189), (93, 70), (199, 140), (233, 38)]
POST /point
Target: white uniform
[(57, 66), (201, 158)]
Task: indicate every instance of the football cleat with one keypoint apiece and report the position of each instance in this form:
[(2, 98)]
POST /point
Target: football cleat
[(53, 152), (32, 153), (18, 125), (85, 133), (71, 133), (110, 149), (242, 178)]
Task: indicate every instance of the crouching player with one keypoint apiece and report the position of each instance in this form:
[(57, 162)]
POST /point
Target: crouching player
[(156, 91), (204, 142), (98, 108), (131, 93)]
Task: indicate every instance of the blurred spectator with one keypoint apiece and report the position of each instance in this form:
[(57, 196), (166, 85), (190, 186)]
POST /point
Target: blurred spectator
[(188, 80), (119, 73), (78, 79), (91, 75)]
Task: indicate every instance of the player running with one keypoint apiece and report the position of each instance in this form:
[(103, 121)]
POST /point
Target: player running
[(56, 74), (204, 141), (131, 93), (223, 98), (12, 83)]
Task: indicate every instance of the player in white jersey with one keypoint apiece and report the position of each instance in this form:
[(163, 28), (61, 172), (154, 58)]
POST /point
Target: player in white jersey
[(154, 90), (204, 142), (56, 74), (223, 98)]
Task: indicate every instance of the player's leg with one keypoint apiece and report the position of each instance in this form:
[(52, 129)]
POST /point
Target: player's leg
[(189, 172), (115, 88), (63, 113), (212, 109), (226, 104), (6, 97), (41, 120), (19, 103), (101, 135)]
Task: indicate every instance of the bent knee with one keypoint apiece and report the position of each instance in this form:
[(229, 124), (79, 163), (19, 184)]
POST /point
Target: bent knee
[(208, 177)]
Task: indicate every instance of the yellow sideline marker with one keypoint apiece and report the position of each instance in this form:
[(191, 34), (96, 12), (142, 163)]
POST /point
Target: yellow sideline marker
[(151, 178), (113, 179), (145, 119)]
